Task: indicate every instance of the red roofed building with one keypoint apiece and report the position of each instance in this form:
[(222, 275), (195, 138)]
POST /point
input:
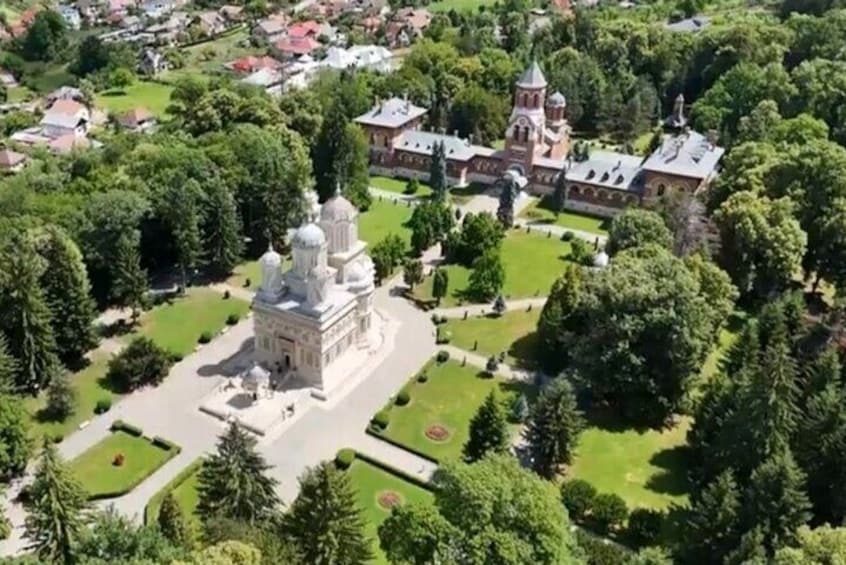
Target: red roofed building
[(137, 120), (305, 29), (250, 64), (291, 47)]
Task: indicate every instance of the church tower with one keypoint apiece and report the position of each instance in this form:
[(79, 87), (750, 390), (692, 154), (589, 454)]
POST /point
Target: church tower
[(524, 138)]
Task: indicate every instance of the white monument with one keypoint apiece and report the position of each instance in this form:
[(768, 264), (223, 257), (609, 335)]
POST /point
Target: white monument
[(310, 318)]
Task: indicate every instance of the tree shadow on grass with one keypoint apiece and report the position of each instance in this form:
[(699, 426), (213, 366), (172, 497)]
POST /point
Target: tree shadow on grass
[(525, 350), (672, 480), (114, 93)]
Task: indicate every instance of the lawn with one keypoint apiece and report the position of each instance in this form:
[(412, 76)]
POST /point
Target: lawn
[(153, 96), (382, 218), (459, 5), (532, 263), (647, 469), (542, 212), (100, 477), (205, 59), (177, 325), (371, 482), (398, 186), (184, 488), (49, 78), (513, 332), (449, 398), (89, 385)]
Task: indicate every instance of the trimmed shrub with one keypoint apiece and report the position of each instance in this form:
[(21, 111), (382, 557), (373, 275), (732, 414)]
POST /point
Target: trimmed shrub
[(159, 441), (403, 398), (57, 437), (141, 363), (443, 356), (567, 236), (380, 419), (344, 458), (121, 426), (103, 405), (176, 357), (205, 337), (423, 377), (232, 319), (645, 525), (609, 511), (226, 295), (578, 497)]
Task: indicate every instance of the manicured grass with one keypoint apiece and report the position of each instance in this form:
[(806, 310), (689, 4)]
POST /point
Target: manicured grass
[(647, 469), (383, 218), (458, 5), (449, 398), (398, 186), (100, 477), (532, 263), (153, 96), (513, 332), (184, 488), (370, 482), (176, 326), (542, 212), (208, 58), (89, 384)]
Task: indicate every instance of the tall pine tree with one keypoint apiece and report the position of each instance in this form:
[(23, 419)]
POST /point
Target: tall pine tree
[(325, 520), (68, 294), (222, 230), (505, 211), (233, 482), (554, 427), (129, 280), (438, 172), (56, 511), (488, 430), (25, 315), (173, 523), (8, 366), (712, 528)]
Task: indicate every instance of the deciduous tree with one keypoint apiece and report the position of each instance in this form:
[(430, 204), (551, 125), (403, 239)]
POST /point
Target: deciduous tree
[(440, 284), (636, 227), (488, 276)]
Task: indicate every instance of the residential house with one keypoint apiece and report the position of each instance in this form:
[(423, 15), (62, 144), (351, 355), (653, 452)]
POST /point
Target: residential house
[(119, 9), (132, 24), (65, 93), (374, 57), (66, 117), (272, 28), (265, 78), (72, 17), (89, 10), (66, 143), (289, 48), (11, 161), (20, 27), (156, 9), (211, 23), (138, 120), (689, 25), (406, 25), (232, 13), (308, 28), (251, 64), (169, 31), (152, 63)]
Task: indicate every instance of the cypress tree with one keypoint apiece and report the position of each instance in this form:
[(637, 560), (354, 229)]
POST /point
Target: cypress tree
[(233, 482), (438, 172), (222, 230), (25, 316), (325, 521), (173, 524), (554, 427), (68, 294), (440, 284), (505, 211), (129, 280), (488, 430), (711, 530), (56, 509), (775, 499)]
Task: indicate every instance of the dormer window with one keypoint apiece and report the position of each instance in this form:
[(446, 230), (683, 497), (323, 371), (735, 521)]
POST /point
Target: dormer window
[(605, 176), (591, 174), (619, 179)]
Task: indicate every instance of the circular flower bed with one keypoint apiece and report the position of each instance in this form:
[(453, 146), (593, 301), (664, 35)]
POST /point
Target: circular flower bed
[(388, 499), (436, 432)]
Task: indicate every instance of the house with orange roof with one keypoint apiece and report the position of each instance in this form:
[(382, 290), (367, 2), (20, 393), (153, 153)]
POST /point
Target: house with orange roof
[(138, 120)]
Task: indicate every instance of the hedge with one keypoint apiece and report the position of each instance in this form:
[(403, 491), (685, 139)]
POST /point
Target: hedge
[(120, 425), (344, 458), (381, 419), (376, 432), (103, 405), (443, 356), (166, 444), (173, 451), (403, 398)]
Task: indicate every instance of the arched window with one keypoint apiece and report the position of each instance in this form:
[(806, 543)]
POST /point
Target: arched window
[(661, 190), (526, 133), (525, 100), (536, 101), (516, 133)]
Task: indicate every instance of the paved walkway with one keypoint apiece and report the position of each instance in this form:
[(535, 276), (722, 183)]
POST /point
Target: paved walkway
[(481, 361), (558, 231), (396, 457), (396, 196), (482, 309)]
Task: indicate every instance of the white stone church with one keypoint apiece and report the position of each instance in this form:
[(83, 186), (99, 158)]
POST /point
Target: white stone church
[(311, 318)]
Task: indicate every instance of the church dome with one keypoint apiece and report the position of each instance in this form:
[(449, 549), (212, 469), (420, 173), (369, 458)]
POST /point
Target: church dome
[(557, 99), (270, 258), (338, 209), (309, 236)]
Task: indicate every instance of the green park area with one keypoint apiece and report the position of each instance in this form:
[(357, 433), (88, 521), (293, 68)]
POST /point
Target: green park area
[(178, 324), (119, 463), (436, 420), (513, 333), (398, 186), (153, 96), (646, 468), (532, 263), (377, 491), (382, 218), (184, 489), (207, 59), (542, 211), (90, 386), (458, 5)]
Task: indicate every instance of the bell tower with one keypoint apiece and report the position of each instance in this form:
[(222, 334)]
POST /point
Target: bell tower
[(524, 138)]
